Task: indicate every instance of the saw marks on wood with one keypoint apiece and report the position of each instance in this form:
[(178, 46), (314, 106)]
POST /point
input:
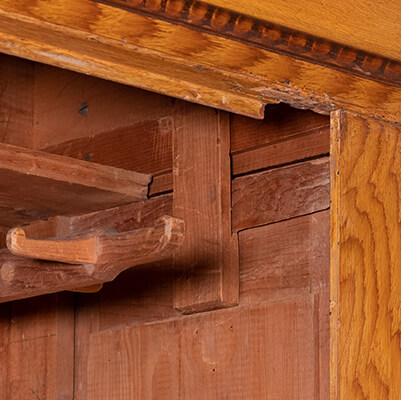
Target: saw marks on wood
[(238, 353), (281, 193)]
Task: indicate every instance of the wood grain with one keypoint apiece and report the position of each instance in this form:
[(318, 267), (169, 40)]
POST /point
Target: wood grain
[(307, 145), (285, 135), (280, 123), (42, 348), (292, 259), (100, 40), (5, 322), (144, 147), (16, 100), (93, 258), (36, 185), (366, 319), (286, 258), (124, 218), (264, 351), (370, 26), (135, 297), (207, 262), (279, 194), (40, 342), (110, 107), (267, 35)]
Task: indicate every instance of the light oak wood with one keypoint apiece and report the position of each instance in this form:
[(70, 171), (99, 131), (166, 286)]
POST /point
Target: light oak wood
[(264, 34), (373, 26), (107, 255), (365, 262), (96, 39), (207, 263)]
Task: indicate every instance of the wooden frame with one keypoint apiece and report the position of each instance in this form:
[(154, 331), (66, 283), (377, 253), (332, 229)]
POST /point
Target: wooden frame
[(89, 37), (288, 66)]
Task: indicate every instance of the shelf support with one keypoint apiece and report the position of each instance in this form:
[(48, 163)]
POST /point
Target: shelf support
[(32, 267)]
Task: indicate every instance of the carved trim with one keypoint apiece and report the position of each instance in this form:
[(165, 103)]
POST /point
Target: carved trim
[(266, 35)]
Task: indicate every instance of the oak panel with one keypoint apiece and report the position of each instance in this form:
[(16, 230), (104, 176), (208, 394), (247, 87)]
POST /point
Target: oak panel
[(114, 44), (267, 35), (366, 267), (373, 27)]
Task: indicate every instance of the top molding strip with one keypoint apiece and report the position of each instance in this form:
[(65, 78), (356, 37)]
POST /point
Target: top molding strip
[(268, 36)]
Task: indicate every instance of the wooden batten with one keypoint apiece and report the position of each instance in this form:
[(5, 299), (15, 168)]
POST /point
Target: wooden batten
[(85, 261), (207, 263), (45, 185)]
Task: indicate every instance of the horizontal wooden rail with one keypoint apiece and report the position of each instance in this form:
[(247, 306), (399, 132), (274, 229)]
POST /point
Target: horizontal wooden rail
[(88, 259)]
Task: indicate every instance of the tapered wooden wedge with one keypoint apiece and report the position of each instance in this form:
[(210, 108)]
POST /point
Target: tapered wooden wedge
[(33, 267)]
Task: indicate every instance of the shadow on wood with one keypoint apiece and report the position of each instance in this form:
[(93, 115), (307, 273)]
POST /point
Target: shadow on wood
[(87, 259)]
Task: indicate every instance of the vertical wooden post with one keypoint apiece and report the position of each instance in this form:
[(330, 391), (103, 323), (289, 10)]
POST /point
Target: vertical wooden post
[(365, 259), (207, 262)]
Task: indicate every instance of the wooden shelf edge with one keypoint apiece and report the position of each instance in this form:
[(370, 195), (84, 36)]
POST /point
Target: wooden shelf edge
[(73, 171)]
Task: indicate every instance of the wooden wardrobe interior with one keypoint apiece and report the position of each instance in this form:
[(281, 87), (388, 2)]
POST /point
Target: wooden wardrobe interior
[(128, 339)]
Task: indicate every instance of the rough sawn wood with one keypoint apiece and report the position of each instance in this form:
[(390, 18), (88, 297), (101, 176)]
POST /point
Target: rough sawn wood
[(105, 254), (44, 185)]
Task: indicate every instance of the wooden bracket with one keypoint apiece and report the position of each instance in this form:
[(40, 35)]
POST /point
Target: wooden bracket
[(82, 260)]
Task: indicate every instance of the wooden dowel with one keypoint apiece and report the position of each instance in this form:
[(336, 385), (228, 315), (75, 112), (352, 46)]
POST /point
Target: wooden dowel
[(22, 277)]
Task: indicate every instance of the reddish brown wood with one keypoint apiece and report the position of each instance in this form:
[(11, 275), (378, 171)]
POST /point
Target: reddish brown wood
[(207, 262), (291, 259), (281, 123), (297, 148), (36, 185), (143, 147), (237, 353), (285, 258), (5, 316), (135, 298), (282, 193), (3, 234), (60, 95), (107, 256), (16, 100), (42, 348), (124, 218)]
